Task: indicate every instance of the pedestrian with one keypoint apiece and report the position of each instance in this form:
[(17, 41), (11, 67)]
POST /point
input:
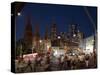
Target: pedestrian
[(48, 67), (29, 65), (59, 63), (87, 60), (73, 63), (68, 64), (65, 67)]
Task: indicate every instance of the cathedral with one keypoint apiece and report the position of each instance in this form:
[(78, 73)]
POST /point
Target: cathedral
[(67, 41)]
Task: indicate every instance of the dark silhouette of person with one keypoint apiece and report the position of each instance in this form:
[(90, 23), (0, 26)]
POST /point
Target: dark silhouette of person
[(29, 65)]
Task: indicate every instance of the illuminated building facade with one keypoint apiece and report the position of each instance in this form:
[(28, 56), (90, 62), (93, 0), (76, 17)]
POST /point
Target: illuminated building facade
[(89, 45), (63, 41), (53, 35)]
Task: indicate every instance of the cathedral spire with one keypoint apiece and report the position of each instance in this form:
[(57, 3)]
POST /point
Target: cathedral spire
[(28, 36), (36, 31), (28, 23), (46, 36)]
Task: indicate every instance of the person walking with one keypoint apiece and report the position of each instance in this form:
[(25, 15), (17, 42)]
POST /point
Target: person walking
[(65, 64), (29, 65), (87, 61)]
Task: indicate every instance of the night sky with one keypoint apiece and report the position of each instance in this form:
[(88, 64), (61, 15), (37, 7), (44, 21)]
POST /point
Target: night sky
[(62, 15)]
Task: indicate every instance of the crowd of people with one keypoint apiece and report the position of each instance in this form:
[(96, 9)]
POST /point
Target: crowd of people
[(48, 62)]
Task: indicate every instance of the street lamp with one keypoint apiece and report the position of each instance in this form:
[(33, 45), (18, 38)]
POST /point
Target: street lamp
[(48, 46), (74, 35), (18, 14), (40, 41), (59, 37)]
